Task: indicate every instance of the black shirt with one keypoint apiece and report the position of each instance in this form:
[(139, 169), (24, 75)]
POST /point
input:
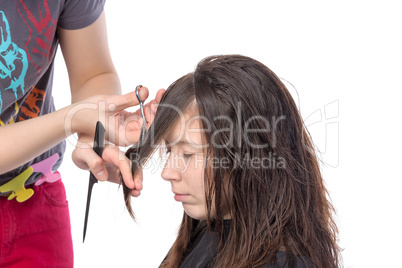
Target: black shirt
[(205, 248)]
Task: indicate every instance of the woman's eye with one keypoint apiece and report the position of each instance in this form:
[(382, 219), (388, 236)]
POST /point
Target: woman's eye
[(187, 155)]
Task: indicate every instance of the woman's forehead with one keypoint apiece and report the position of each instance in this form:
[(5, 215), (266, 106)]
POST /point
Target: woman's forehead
[(188, 128)]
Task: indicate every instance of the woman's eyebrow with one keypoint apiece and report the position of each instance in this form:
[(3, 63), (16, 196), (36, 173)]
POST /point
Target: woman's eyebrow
[(181, 142)]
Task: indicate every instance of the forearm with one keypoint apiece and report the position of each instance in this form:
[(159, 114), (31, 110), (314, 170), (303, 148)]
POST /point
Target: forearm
[(25, 140), (22, 141), (102, 84)]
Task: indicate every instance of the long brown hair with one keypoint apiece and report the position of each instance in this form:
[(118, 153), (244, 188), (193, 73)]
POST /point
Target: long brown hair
[(280, 205)]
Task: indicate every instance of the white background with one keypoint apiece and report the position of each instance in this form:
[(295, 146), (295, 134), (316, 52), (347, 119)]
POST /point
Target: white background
[(344, 60)]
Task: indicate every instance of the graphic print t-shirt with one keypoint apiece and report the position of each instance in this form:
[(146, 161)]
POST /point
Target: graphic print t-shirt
[(28, 43)]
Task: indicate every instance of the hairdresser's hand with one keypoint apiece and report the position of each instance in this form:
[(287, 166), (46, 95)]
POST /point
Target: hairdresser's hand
[(149, 112), (108, 167), (114, 160), (122, 127), (151, 107)]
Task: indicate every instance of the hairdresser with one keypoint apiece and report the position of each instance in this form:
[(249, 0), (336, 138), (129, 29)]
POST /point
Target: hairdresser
[(34, 218)]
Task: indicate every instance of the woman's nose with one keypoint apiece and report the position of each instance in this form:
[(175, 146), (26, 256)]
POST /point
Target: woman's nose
[(171, 170)]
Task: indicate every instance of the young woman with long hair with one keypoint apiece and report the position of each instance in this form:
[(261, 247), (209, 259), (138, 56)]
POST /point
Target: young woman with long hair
[(243, 165)]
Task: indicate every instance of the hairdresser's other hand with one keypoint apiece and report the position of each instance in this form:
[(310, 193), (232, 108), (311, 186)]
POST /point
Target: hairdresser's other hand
[(122, 127), (108, 167), (115, 165)]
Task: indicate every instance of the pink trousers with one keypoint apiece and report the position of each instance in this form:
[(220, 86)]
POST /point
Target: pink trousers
[(37, 232)]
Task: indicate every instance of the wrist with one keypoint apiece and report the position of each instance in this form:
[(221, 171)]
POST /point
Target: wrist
[(73, 122), (78, 118)]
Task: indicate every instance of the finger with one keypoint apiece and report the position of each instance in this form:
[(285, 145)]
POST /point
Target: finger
[(156, 101), (135, 193), (148, 117), (129, 131), (138, 180), (130, 99), (83, 146), (88, 159), (78, 153), (138, 112), (113, 155), (154, 107), (159, 95)]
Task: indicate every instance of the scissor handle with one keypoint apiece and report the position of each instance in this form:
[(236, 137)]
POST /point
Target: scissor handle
[(142, 112)]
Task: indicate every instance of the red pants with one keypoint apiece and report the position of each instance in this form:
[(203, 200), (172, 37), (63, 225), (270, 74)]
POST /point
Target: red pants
[(37, 232)]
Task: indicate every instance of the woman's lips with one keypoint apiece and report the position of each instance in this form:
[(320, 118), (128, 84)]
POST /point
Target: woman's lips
[(180, 197)]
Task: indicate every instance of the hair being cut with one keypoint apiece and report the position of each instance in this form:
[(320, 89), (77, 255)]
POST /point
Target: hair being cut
[(271, 208)]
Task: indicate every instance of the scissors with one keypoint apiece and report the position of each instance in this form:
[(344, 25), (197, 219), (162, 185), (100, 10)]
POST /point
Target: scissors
[(142, 114), (98, 148)]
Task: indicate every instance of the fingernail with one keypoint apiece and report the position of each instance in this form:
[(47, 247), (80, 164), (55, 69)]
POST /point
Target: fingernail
[(100, 175), (139, 183)]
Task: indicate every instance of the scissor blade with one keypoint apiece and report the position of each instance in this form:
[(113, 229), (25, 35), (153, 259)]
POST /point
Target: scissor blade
[(92, 181)]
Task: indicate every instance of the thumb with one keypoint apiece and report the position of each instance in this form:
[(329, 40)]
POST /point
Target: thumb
[(130, 99)]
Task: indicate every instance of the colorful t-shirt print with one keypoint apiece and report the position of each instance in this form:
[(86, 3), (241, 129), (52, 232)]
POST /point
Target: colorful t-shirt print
[(28, 44), (14, 63)]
